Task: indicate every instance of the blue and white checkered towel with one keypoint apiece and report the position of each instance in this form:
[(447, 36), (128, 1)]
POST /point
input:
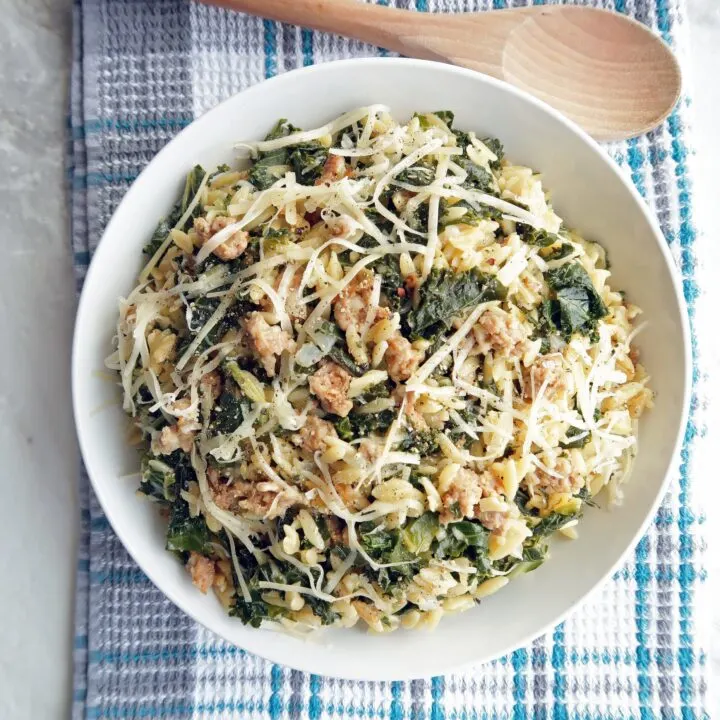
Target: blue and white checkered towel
[(142, 70)]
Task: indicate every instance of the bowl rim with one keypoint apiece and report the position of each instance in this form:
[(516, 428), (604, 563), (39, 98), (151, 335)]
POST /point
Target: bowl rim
[(84, 308)]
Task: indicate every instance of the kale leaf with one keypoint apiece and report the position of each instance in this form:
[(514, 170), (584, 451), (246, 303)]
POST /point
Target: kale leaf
[(201, 310), (419, 534), (307, 161), (576, 305), (356, 425), (420, 174), (553, 522), (535, 236), (471, 216), (157, 480), (162, 479), (558, 253), (227, 414), (576, 438), (166, 224), (185, 533), (445, 294), (478, 178), (254, 612), (341, 355), (339, 352), (465, 538), (272, 165), (422, 443), (495, 147), (386, 546)]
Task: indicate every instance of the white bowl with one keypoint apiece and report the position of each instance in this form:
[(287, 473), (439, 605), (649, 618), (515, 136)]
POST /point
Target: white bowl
[(589, 193)]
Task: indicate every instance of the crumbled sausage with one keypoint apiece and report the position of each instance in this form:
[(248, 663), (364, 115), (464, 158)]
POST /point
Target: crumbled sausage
[(547, 368), (464, 493), (413, 415), (334, 169), (268, 342), (500, 332), (249, 498), (565, 482), (233, 247), (401, 359), (314, 434), (172, 438), (211, 384), (352, 304), (331, 384), (202, 571)]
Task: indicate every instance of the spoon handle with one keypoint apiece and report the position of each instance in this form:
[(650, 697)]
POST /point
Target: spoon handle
[(382, 26)]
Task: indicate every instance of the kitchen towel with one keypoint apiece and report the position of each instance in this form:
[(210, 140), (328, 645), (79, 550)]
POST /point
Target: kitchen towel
[(142, 70)]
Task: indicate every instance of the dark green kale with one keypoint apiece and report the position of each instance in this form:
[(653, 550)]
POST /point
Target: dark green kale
[(380, 390), (466, 538), (356, 425), (166, 224), (387, 546), (418, 217), (201, 310), (419, 534), (576, 438), (381, 223), (553, 522), (161, 232), (324, 610), (535, 236), (560, 252), (471, 216), (495, 147), (394, 295), (275, 241), (187, 534), (446, 294), (535, 552), (575, 305), (157, 480), (586, 497), (307, 161), (470, 416), (227, 413), (163, 478), (254, 612), (422, 443), (420, 174), (272, 165), (341, 355), (478, 178), (339, 352)]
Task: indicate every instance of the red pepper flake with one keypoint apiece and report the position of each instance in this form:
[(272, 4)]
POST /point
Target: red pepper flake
[(491, 261)]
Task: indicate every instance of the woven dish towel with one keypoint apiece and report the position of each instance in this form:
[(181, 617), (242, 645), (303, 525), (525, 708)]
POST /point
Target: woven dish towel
[(142, 70)]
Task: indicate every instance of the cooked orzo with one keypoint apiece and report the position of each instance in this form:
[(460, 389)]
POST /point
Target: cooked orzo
[(373, 373)]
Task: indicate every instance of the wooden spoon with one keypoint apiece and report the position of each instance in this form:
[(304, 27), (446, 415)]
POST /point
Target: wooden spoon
[(609, 73)]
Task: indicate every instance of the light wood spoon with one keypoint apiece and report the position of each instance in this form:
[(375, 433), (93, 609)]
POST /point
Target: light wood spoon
[(609, 73)]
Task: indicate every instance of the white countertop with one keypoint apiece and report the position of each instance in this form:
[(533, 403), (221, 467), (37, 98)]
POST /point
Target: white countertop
[(37, 440)]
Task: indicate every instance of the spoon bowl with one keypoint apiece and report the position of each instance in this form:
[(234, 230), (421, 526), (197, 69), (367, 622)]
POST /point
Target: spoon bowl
[(605, 71)]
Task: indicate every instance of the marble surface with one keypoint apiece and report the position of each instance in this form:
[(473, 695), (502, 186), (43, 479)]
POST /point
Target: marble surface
[(37, 441)]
